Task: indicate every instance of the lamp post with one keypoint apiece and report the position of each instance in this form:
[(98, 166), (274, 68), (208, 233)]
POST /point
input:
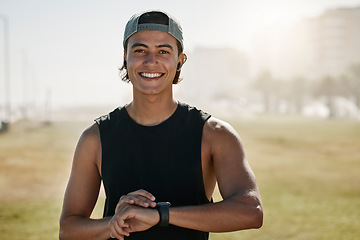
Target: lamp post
[(7, 94)]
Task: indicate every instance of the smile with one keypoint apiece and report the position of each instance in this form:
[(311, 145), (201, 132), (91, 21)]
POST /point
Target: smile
[(151, 75)]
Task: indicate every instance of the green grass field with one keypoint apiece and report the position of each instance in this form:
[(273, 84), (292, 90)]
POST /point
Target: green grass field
[(307, 171)]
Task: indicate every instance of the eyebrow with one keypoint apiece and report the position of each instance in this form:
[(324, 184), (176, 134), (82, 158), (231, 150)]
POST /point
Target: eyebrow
[(158, 46), (165, 45), (139, 45)]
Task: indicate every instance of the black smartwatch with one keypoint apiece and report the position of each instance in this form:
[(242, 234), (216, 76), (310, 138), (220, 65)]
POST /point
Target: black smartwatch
[(163, 209)]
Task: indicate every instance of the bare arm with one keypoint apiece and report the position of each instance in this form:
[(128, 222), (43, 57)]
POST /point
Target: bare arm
[(82, 192), (241, 207)]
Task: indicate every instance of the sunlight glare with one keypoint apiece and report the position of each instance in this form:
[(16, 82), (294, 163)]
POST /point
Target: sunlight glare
[(273, 14)]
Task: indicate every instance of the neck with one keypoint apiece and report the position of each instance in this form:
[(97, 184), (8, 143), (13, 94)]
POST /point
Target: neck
[(151, 110)]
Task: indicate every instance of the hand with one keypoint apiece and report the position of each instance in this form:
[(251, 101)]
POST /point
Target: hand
[(140, 197), (131, 218), (128, 217)]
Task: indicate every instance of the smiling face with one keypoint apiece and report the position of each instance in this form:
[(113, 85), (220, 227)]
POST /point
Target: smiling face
[(152, 58)]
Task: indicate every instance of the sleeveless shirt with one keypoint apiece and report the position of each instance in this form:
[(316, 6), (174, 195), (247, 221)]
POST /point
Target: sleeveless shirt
[(164, 160)]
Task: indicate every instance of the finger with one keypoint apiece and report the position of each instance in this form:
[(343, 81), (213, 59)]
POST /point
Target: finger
[(137, 200), (117, 228), (145, 196), (117, 237), (120, 225), (126, 198), (121, 231), (127, 229), (143, 202), (143, 193), (115, 234)]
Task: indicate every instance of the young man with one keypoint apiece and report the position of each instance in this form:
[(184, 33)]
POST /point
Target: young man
[(159, 159)]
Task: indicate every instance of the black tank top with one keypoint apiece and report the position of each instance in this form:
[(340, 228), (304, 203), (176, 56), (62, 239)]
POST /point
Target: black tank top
[(164, 159)]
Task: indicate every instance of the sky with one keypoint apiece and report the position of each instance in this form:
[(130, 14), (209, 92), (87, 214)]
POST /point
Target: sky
[(67, 53)]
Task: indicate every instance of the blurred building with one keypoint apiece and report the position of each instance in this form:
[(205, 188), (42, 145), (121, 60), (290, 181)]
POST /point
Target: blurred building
[(213, 75), (314, 47), (338, 35)]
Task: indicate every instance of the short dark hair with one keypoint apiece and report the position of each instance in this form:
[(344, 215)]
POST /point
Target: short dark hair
[(152, 17)]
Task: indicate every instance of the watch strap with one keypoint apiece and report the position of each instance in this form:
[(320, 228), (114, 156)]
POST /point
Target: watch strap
[(163, 209)]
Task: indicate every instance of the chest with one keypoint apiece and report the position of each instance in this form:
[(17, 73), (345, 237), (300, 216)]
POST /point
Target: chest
[(166, 163)]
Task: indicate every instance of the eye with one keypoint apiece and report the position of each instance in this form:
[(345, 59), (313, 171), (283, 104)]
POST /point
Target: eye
[(139, 51), (164, 52)]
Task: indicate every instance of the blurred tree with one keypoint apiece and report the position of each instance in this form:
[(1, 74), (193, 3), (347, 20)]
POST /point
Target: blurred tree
[(329, 88), (266, 85), (351, 83), (299, 90), (294, 92)]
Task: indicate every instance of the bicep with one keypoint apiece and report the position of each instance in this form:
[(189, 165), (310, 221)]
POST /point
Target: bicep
[(233, 172), (84, 183)]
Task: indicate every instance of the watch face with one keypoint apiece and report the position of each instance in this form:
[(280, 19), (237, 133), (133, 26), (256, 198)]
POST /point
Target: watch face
[(163, 204)]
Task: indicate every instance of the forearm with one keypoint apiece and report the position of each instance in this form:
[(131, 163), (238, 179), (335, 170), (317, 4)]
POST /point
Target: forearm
[(79, 227), (225, 216)]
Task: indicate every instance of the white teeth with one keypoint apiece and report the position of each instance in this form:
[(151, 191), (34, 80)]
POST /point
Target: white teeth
[(151, 75)]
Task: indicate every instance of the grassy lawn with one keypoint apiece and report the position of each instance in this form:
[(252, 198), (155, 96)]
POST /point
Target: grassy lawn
[(29, 220), (308, 175), (307, 171)]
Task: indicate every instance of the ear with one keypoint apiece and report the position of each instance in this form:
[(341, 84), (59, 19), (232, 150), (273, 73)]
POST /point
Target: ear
[(182, 59)]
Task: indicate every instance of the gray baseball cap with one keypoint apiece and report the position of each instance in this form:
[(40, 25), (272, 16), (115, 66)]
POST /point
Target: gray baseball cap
[(173, 27)]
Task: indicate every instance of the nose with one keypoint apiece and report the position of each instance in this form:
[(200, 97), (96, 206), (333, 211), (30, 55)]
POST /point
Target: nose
[(150, 59)]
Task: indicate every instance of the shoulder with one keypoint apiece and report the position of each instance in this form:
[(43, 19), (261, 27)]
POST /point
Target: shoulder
[(88, 149), (91, 132), (90, 138), (221, 135), (218, 127)]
